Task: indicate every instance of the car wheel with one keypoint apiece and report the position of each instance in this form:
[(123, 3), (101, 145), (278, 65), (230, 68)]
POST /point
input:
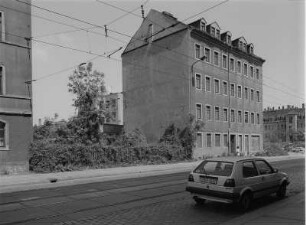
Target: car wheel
[(281, 193), (199, 201), (245, 202)]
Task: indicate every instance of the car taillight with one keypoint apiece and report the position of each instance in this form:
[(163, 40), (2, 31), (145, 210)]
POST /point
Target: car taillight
[(190, 178), (229, 183)]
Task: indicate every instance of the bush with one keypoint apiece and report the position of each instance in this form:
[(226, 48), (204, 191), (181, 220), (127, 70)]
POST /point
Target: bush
[(272, 149), (54, 157)]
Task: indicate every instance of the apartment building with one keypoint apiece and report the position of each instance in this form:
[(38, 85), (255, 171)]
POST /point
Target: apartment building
[(284, 124), (15, 94), (172, 69)]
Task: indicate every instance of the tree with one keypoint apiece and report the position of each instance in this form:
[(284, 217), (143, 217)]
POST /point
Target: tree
[(89, 88)]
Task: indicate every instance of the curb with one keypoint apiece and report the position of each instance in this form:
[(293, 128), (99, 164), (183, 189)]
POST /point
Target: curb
[(248, 217)]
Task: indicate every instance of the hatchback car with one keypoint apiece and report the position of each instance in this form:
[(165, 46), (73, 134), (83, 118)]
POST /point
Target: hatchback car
[(235, 180)]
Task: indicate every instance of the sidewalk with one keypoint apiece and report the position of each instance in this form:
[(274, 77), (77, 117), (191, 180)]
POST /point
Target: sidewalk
[(13, 183), (287, 211)]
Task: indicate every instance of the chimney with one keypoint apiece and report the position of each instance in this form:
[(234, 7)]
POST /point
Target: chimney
[(303, 106), (288, 106), (283, 107)]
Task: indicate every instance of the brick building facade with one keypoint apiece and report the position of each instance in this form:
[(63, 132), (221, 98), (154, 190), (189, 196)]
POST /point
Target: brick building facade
[(166, 78), (15, 95), (284, 124)]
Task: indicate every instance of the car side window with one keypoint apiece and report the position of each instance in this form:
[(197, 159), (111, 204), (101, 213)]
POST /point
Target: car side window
[(249, 170), (263, 167)]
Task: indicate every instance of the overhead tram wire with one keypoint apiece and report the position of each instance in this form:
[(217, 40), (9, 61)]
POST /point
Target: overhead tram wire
[(283, 91), (282, 84)]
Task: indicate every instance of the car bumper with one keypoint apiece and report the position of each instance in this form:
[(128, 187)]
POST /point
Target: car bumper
[(213, 195)]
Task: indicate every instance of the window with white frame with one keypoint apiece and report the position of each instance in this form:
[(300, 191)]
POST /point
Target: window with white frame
[(239, 116), (217, 33), (252, 95), (217, 86), (238, 66), (257, 73), (224, 61), (207, 83), (246, 117), (225, 114), (217, 140), (217, 113), (252, 118), (2, 27), (233, 90), (213, 31), (199, 140), (257, 96), (246, 93), (232, 115), (208, 140), (202, 26), (232, 64), (207, 54), (3, 134), (257, 118), (199, 111), (239, 91), (198, 81), (224, 84), (2, 80), (245, 69), (216, 58), (208, 112), (251, 71), (197, 51)]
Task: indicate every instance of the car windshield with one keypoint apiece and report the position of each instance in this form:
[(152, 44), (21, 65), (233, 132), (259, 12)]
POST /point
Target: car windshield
[(217, 168)]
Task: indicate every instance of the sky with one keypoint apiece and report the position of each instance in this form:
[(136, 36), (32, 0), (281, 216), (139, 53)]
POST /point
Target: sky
[(275, 27)]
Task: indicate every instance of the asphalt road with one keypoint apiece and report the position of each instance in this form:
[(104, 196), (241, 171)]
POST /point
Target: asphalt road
[(148, 200)]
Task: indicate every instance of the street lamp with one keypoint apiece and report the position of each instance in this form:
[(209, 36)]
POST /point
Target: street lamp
[(191, 78)]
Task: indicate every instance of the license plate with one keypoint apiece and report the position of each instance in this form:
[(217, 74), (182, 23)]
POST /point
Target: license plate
[(208, 180)]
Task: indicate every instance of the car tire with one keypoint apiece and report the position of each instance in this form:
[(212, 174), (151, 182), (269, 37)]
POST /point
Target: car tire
[(199, 201), (281, 193), (245, 202)]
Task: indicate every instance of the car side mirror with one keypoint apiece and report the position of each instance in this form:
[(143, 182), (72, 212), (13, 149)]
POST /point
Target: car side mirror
[(275, 170)]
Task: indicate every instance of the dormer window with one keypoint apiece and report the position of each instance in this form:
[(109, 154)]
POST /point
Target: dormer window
[(218, 34), (244, 46), (240, 45), (202, 26), (251, 50), (213, 32)]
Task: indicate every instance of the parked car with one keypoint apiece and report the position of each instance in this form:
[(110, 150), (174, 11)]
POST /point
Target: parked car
[(236, 180)]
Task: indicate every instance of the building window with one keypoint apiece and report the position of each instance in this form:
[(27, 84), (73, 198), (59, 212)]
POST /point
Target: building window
[(202, 26), (199, 111), (232, 64), (199, 140), (198, 81), (246, 117), (216, 58), (252, 95), (207, 83), (239, 92), (239, 116), (217, 113), (257, 118), (252, 71), (208, 140), (217, 140), (233, 90), (2, 80), (245, 69), (224, 87), (208, 112), (2, 27), (232, 115), (217, 86), (257, 73), (238, 66), (224, 61), (207, 54), (246, 93), (3, 132), (197, 51), (217, 33), (257, 96), (225, 140), (225, 114), (213, 31), (228, 39), (252, 118)]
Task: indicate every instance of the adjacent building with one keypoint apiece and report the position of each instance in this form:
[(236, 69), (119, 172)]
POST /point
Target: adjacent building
[(172, 69), (15, 94), (284, 124)]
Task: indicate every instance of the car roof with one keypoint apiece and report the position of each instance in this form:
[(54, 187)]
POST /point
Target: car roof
[(234, 159)]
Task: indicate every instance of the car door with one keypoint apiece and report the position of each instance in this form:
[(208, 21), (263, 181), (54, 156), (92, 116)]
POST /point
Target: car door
[(269, 179), (250, 177)]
